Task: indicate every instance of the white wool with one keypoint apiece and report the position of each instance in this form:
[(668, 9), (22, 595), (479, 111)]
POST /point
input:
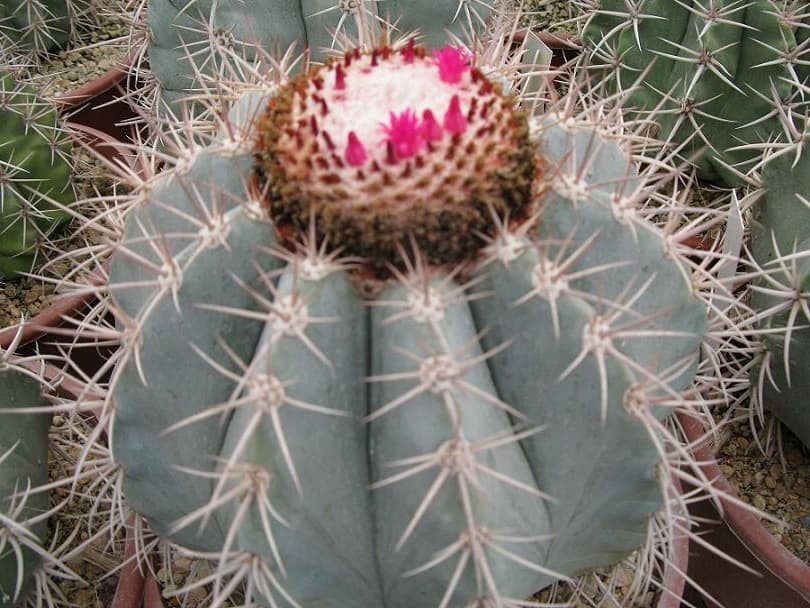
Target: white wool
[(372, 93)]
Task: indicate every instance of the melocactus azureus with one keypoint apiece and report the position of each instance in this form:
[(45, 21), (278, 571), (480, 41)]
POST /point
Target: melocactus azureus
[(396, 334)]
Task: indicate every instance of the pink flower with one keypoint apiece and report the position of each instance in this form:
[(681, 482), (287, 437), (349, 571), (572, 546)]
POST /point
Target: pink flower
[(454, 119), (452, 63), (355, 151), (404, 135)]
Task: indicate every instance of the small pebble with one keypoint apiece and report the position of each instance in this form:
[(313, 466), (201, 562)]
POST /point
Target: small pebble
[(168, 590), (197, 594)]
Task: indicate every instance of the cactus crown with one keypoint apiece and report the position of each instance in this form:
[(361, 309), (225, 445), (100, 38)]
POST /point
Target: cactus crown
[(390, 143)]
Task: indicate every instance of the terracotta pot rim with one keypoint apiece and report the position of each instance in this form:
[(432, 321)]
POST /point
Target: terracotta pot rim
[(772, 554), (559, 41), (50, 317)]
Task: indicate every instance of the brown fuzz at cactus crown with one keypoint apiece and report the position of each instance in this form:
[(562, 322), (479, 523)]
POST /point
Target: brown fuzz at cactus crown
[(436, 154)]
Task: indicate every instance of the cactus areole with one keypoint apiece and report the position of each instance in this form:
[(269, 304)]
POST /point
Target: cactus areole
[(380, 147), (478, 424)]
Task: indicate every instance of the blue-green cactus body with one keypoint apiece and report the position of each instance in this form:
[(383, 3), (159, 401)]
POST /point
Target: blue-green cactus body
[(191, 40), (781, 250), (719, 75), (36, 176), (440, 441), (23, 468)]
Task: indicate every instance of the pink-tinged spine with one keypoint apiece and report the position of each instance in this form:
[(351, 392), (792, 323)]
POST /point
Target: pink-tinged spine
[(454, 120), (355, 154), (430, 128)]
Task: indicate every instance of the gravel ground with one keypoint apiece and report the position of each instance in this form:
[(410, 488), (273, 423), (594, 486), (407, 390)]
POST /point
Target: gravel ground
[(92, 560), (774, 483), (555, 16), (607, 588), (102, 47)]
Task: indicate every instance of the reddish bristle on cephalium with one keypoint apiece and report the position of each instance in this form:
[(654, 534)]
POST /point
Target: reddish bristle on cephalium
[(387, 147)]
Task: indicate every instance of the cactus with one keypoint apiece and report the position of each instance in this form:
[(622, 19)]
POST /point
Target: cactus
[(192, 42), (723, 78), (781, 254), (36, 176), (36, 26), (23, 469), (390, 344)]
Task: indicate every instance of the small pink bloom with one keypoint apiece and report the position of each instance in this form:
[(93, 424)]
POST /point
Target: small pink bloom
[(454, 119), (430, 127), (453, 62), (403, 134), (355, 151)]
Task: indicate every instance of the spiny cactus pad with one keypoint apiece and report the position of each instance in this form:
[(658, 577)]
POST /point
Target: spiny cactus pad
[(463, 436), (23, 469), (781, 252), (191, 40), (36, 26), (35, 176), (723, 77)]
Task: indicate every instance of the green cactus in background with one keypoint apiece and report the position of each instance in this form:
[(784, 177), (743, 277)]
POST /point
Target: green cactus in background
[(35, 176), (193, 43), (410, 365), (781, 254), (23, 469), (722, 78), (36, 26)]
